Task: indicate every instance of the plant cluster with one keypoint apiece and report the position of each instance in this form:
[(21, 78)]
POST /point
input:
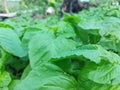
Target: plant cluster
[(79, 52)]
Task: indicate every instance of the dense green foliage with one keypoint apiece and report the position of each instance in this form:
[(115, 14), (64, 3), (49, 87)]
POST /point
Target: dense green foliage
[(79, 52)]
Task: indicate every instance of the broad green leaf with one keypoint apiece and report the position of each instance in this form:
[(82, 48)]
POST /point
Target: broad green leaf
[(10, 42), (94, 53), (111, 41), (47, 77), (87, 84), (43, 46), (5, 79), (84, 49), (109, 24), (82, 30), (97, 19), (106, 74)]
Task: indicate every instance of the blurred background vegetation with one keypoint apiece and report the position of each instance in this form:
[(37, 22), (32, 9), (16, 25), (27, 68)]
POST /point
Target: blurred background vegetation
[(40, 6)]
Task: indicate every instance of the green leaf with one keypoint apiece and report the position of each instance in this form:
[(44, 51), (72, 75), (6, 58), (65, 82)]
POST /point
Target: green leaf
[(26, 72), (47, 77), (28, 34), (5, 79), (13, 84), (71, 66), (94, 53), (65, 30), (4, 25), (43, 46), (87, 84), (11, 42), (15, 63), (111, 41), (90, 35), (83, 30), (72, 19), (4, 88), (106, 74)]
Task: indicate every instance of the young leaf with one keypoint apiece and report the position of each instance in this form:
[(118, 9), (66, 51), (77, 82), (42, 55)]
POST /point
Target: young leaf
[(5, 79)]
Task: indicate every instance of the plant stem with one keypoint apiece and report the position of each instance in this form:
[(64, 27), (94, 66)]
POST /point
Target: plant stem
[(3, 58), (5, 6)]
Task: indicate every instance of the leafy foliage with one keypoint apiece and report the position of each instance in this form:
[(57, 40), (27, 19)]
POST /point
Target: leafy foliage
[(79, 52)]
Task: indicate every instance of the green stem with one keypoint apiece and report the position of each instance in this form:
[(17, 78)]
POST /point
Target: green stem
[(3, 58)]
